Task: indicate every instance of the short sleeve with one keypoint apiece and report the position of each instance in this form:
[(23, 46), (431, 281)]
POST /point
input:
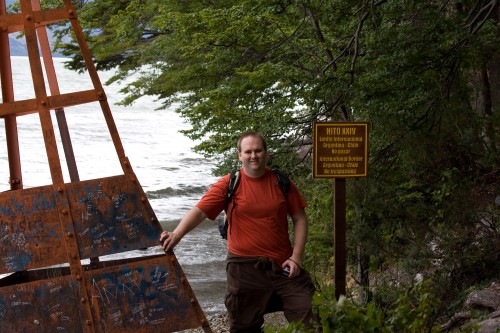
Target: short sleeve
[(214, 200), (295, 200)]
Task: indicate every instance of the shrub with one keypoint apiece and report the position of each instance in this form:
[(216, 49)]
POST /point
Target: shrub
[(410, 313)]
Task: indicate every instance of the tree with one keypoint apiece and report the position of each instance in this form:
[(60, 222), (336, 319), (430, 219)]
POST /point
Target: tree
[(232, 65), (421, 72)]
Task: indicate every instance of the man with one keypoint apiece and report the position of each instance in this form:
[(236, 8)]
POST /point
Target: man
[(259, 247)]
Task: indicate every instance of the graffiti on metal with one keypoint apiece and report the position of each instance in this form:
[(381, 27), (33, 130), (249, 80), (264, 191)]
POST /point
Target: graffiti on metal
[(55, 271), (30, 232), (107, 215), (147, 295), (110, 217), (46, 306)]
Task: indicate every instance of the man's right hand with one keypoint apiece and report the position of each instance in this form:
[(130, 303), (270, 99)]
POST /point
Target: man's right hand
[(190, 221), (169, 240)]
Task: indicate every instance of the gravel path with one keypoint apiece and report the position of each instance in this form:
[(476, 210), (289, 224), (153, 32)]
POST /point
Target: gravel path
[(219, 324)]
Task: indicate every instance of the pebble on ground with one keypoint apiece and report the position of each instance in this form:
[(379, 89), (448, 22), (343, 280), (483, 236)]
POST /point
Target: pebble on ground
[(219, 323)]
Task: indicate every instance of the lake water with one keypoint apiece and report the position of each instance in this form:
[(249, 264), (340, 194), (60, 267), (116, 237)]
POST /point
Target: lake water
[(172, 175)]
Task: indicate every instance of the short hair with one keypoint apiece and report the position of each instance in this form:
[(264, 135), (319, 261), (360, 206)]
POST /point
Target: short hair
[(254, 134)]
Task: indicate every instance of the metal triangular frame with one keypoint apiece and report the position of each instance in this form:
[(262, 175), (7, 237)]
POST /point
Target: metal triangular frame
[(46, 232)]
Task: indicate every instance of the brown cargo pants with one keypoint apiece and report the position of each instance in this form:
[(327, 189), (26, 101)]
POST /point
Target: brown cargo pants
[(253, 290)]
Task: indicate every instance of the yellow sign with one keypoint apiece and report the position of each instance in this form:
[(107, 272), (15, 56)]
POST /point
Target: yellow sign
[(340, 150)]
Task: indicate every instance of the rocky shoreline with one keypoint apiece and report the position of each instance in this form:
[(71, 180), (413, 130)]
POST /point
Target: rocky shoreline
[(219, 323)]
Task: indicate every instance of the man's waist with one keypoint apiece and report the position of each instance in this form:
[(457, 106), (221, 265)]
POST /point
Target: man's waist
[(259, 262), (277, 251)]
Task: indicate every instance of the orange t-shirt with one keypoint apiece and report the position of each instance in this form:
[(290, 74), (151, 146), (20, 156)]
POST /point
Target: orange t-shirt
[(258, 223)]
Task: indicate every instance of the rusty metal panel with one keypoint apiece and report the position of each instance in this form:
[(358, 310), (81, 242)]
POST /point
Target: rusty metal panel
[(111, 215), (30, 231), (41, 306), (46, 231), (147, 296)]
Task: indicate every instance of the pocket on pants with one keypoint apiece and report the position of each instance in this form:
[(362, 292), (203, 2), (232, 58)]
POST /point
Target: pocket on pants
[(231, 302), (231, 297)]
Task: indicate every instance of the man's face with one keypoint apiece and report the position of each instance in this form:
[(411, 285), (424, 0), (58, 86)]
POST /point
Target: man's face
[(253, 156)]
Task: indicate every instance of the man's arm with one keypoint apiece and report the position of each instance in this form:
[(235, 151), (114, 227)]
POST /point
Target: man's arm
[(300, 226), (190, 221)]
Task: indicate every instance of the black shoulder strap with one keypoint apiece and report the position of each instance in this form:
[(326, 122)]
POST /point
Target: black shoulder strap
[(283, 181), (234, 179)]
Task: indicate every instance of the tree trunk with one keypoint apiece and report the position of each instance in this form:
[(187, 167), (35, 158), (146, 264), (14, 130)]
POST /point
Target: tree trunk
[(485, 108)]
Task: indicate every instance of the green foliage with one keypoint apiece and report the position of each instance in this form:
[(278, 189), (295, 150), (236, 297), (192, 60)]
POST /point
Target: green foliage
[(320, 236), (411, 312), (344, 315), (417, 71)]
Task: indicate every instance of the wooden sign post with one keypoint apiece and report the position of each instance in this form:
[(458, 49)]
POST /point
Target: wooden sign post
[(340, 151)]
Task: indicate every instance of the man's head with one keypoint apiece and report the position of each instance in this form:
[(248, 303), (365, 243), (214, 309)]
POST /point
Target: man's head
[(252, 152), (254, 134)]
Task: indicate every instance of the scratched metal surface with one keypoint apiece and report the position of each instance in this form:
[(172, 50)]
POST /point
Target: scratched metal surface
[(142, 297), (148, 296), (41, 306), (111, 215), (30, 231), (108, 217), (61, 224)]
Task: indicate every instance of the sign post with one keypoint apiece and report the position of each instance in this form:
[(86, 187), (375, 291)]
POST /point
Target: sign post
[(340, 151)]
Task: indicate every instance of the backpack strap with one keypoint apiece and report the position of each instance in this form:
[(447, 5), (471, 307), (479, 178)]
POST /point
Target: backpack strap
[(234, 179), (283, 181)]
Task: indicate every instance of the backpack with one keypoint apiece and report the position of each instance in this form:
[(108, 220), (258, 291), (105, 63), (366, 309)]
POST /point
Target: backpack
[(234, 178)]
